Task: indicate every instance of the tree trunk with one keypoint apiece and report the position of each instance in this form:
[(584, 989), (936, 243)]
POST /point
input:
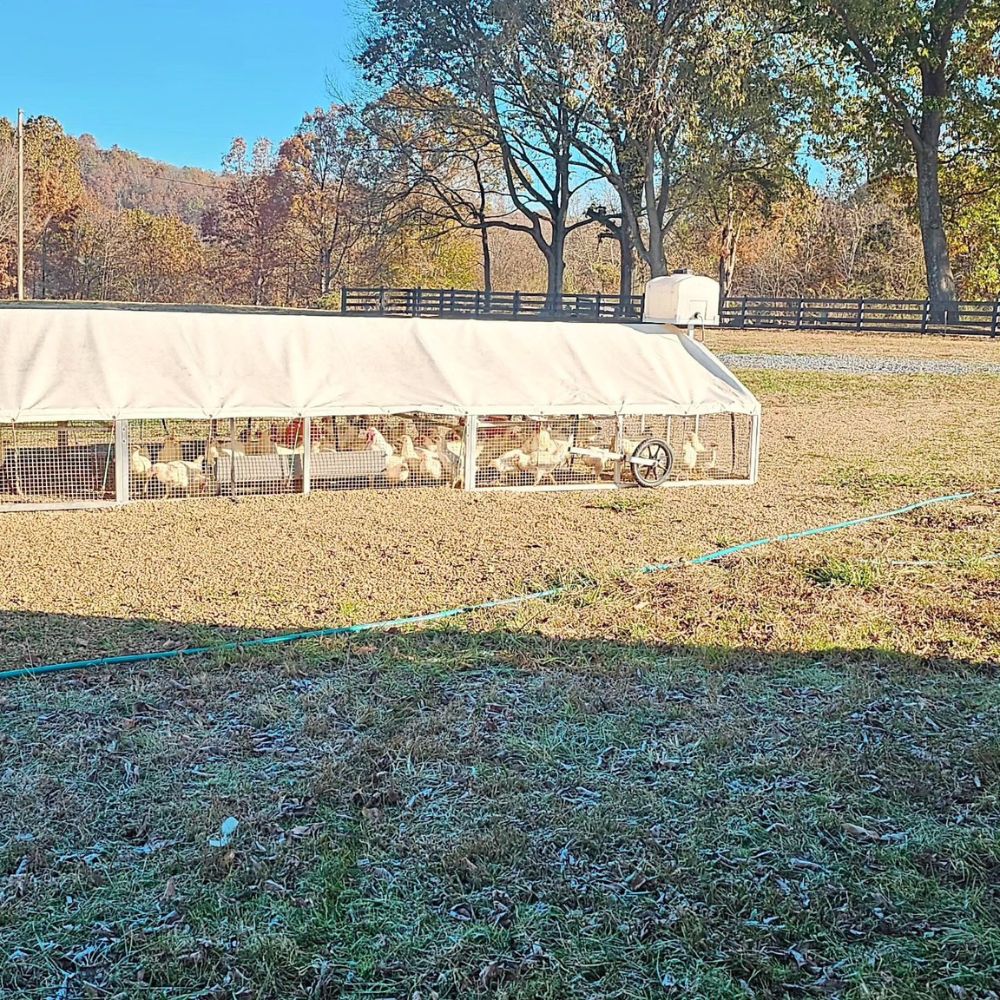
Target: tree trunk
[(556, 263), (484, 237), (727, 257), (325, 275), (626, 266), (937, 260)]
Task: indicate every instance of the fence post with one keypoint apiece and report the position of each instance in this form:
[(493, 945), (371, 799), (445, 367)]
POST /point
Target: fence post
[(477, 302), (861, 314), (517, 303), (925, 316), (995, 325), (343, 300), (743, 314), (798, 314), (418, 297), (598, 305), (381, 300)]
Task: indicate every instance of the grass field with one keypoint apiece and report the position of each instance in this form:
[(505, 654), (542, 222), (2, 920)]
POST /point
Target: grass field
[(773, 776)]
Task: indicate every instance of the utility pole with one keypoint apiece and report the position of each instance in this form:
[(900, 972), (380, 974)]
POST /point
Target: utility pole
[(20, 204)]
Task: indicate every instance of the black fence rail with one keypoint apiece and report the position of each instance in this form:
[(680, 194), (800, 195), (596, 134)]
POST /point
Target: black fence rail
[(460, 302), (862, 315)]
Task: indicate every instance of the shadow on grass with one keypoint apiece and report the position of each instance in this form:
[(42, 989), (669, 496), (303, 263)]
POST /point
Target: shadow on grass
[(495, 812)]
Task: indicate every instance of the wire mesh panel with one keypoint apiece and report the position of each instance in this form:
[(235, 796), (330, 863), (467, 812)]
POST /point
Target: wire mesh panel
[(178, 459), (386, 451), (525, 452), (69, 463), (716, 446), (522, 451)]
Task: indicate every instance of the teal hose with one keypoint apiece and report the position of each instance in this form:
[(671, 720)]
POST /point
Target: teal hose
[(538, 595)]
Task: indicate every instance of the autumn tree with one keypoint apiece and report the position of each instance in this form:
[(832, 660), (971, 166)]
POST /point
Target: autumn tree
[(249, 229), (918, 85), (330, 169), (502, 63), (448, 176)]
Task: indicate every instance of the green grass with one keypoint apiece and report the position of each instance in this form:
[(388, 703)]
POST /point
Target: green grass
[(729, 781), (846, 573)]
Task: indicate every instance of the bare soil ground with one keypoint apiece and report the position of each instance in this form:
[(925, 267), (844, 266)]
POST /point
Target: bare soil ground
[(774, 776)]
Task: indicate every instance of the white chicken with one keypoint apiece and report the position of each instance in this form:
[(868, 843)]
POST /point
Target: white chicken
[(140, 465), (545, 463), (696, 442), (690, 455), (509, 461), (375, 441), (180, 475), (408, 453), (541, 440), (430, 464)]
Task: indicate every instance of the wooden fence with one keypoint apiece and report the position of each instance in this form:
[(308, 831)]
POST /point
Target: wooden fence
[(439, 302), (749, 312), (862, 315)]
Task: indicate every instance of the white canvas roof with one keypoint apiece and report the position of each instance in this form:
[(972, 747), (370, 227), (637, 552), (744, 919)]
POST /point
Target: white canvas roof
[(99, 363)]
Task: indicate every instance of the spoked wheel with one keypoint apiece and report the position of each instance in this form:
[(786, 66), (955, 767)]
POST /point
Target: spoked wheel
[(652, 462)]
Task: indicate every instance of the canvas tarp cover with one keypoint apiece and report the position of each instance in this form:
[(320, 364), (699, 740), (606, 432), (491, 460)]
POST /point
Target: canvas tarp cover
[(59, 363)]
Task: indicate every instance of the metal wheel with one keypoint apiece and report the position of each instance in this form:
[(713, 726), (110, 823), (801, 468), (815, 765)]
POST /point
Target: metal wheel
[(652, 462)]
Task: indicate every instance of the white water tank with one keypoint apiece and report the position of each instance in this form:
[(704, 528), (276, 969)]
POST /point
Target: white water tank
[(681, 298)]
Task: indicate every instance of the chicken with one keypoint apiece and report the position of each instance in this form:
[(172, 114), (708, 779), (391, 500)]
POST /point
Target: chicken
[(713, 460), (545, 463), (408, 453), (260, 443), (690, 455), (180, 475), (375, 441), (541, 440), (430, 464), (696, 442), (170, 450), (140, 465), (396, 469), (449, 454), (508, 462), (598, 460)]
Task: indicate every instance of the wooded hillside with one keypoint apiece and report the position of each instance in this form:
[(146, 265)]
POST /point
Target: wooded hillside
[(567, 145)]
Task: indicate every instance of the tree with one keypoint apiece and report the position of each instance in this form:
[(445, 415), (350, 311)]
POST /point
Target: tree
[(918, 74), (743, 147), (53, 191), (638, 59), (331, 168), (450, 176), (249, 228), (502, 63), (165, 257)]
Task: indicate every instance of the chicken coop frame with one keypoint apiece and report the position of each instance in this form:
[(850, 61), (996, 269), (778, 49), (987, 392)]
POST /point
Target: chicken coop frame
[(102, 407)]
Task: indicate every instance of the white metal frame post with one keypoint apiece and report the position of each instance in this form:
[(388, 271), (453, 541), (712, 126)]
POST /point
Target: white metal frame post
[(471, 447), (123, 463), (306, 454), (754, 448)]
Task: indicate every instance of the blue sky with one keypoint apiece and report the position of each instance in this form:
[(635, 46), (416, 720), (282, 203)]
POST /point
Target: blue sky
[(177, 80)]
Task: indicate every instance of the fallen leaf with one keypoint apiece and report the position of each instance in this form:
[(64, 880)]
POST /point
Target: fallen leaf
[(226, 831), (859, 832)]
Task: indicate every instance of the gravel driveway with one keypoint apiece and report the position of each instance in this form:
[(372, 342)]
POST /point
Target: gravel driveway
[(855, 364)]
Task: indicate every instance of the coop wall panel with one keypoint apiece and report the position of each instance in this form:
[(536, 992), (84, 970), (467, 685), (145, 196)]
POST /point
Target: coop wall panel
[(60, 362)]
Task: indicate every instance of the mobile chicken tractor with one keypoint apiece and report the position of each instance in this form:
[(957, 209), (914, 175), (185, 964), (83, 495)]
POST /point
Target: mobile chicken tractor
[(103, 405)]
